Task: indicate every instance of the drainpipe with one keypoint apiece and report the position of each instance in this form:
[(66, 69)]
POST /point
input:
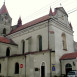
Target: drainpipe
[(25, 66), (7, 65), (49, 50), (48, 34), (50, 65), (61, 67)]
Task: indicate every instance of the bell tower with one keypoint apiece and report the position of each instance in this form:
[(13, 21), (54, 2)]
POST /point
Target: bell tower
[(5, 21)]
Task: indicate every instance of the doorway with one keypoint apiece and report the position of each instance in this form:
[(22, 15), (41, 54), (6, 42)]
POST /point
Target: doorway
[(68, 68), (43, 70)]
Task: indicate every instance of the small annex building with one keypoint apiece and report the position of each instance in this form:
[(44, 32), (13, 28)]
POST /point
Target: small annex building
[(43, 47), (68, 62)]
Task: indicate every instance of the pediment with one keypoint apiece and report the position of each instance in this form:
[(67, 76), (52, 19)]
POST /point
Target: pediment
[(61, 9)]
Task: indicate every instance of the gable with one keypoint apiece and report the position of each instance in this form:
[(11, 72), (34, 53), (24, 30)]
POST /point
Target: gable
[(61, 9)]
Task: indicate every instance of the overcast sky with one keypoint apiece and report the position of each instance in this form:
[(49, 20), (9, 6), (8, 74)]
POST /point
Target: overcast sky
[(32, 9)]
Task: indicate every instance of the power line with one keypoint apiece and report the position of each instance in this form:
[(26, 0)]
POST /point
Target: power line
[(73, 10), (42, 10), (45, 8), (69, 12)]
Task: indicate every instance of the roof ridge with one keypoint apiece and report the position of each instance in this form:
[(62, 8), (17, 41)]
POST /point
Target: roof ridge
[(28, 24)]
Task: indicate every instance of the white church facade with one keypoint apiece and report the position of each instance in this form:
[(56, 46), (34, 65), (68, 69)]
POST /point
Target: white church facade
[(40, 48)]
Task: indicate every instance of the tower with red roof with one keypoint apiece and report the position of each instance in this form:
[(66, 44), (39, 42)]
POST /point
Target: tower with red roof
[(5, 21)]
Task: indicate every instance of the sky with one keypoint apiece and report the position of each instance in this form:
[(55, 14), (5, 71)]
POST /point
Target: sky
[(31, 9)]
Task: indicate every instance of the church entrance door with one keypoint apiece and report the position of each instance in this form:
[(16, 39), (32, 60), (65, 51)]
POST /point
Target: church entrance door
[(42, 71), (68, 68)]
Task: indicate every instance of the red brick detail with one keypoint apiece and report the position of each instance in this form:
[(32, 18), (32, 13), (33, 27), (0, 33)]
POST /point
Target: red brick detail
[(52, 32)]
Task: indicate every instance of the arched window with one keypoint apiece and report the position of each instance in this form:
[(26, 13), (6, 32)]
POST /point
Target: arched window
[(4, 31), (23, 46), (8, 51), (64, 41), (0, 68), (16, 68), (40, 42)]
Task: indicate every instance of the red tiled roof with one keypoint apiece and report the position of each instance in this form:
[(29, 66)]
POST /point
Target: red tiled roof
[(69, 56), (6, 40), (3, 9), (31, 23), (41, 19)]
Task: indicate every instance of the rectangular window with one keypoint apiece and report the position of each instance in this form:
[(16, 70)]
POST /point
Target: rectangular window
[(36, 69)]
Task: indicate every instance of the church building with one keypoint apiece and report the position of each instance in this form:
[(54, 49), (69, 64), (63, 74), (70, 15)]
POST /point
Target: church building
[(43, 47)]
